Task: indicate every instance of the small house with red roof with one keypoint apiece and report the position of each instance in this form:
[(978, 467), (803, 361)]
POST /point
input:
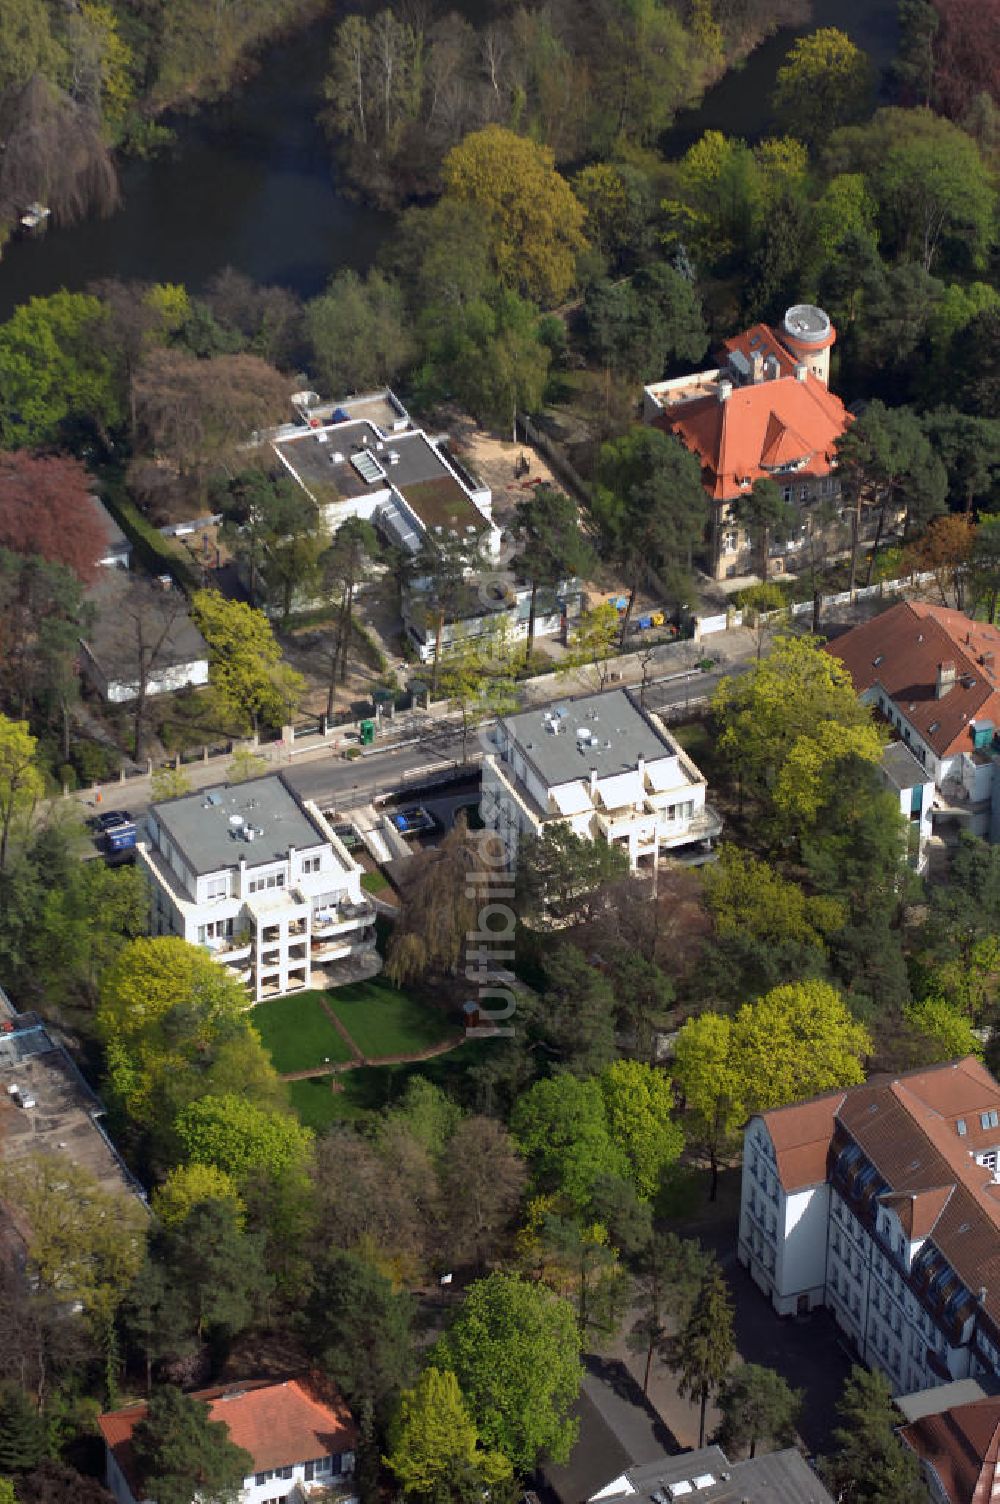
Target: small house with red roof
[(934, 676), (299, 1432), (766, 412)]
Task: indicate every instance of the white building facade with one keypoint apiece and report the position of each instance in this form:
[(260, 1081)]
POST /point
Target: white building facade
[(880, 1204), (261, 881), (603, 766)]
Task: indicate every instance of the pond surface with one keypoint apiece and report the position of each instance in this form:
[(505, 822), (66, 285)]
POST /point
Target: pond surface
[(250, 184)]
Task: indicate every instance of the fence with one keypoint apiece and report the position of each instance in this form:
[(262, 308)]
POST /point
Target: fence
[(725, 621), (558, 463)]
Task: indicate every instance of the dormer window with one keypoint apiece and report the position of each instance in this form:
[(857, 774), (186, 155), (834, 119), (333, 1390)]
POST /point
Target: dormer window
[(961, 1127)]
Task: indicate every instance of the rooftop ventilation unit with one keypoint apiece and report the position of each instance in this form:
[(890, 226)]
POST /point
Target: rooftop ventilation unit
[(322, 437), (584, 736)]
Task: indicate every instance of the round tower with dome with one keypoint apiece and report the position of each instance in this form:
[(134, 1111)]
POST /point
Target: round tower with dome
[(808, 335)]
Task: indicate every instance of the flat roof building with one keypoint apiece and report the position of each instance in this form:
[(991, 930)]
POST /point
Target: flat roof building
[(602, 765), (258, 877)]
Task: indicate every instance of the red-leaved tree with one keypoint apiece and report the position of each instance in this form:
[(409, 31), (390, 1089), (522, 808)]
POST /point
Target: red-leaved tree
[(46, 509), (967, 54)]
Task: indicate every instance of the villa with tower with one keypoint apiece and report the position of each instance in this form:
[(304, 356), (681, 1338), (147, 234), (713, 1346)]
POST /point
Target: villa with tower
[(765, 411)]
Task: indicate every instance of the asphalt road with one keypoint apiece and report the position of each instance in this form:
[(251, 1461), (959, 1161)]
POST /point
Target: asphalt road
[(436, 753)]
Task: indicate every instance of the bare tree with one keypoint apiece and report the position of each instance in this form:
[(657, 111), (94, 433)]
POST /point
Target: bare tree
[(54, 153)]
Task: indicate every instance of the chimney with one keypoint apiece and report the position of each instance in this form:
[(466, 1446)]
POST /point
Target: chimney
[(988, 661), (593, 783), (771, 368), (946, 675), (801, 372), (642, 769), (724, 390), (756, 366)]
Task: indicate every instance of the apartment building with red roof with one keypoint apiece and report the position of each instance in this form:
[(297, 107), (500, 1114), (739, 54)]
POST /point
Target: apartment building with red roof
[(765, 412), (882, 1203), (934, 676), (299, 1432)]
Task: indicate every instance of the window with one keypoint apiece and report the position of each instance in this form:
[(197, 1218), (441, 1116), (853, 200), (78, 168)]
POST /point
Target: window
[(962, 1127), (217, 887), (283, 1472), (324, 1464), (311, 864), (990, 1160), (990, 1119), (260, 1478), (273, 880)]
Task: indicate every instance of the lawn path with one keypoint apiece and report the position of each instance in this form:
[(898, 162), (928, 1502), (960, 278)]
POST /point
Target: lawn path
[(443, 1048), (356, 1056)]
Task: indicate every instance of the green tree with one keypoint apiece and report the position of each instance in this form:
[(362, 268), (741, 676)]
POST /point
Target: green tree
[(434, 1444), (169, 783), (85, 1243), (55, 371), (7, 1491), (83, 924), (796, 1041), (670, 1272), (23, 1442), (945, 1033), (639, 1104), (251, 681), (825, 81), (478, 677), (767, 517), (929, 180), (577, 1018), (592, 645), (28, 44), (215, 1268), (183, 1454), (361, 1330), (703, 1348), (870, 1464), (535, 222), (490, 355), (174, 1026), (748, 896), (708, 1078), (756, 1405), (515, 1350), (273, 527), (561, 1124), (786, 696), (21, 782), (552, 548), (439, 570), (558, 871), (360, 333), (344, 566), (914, 66), (241, 1138), (188, 1186), (650, 509), (885, 458)]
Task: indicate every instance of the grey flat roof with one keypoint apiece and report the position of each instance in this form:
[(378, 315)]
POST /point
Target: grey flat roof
[(202, 826), (609, 717), (772, 1478), (946, 1397), (122, 601), (115, 539), (902, 768), (418, 473)]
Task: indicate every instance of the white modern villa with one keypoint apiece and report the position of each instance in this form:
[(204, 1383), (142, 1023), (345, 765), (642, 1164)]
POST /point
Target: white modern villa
[(605, 767), (259, 879)]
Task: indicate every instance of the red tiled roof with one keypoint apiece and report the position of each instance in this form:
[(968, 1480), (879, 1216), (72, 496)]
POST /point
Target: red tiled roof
[(758, 427), (801, 1135), (278, 1424), (761, 340), (962, 1445), (907, 1128), (910, 641)]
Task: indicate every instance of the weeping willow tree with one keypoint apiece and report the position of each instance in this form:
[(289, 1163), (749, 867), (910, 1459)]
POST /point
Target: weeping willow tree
[(444, 889), (52, 151)]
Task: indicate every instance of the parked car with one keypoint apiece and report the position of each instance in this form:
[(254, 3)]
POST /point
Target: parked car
[(115, 830)]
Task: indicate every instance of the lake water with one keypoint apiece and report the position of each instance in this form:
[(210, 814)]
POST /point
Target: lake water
[(249, 183)]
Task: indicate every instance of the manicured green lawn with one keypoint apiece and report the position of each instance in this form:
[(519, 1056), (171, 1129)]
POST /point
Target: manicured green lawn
[(374, 882), (372, 1088), (382, 1021), (297, 1032)]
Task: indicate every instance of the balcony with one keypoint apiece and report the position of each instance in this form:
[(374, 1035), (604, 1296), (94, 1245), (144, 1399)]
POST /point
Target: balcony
[(341, 920)]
